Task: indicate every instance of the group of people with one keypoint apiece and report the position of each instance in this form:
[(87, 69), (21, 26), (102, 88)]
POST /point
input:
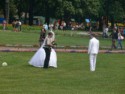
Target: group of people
[(45, 56), (118, 36), (16, 24)]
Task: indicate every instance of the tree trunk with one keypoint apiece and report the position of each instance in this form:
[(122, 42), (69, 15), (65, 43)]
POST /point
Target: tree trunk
[(112, 22), (7, 10), (19, 11), (4, 13), (31, 8), (100, 23), (25, 19), (47, 20)]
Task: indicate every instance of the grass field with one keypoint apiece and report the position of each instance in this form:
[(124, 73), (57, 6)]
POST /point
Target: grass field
[(62, 39), (71, 77)]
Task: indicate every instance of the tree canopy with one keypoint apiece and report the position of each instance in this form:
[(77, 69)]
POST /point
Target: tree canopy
[(65, 9)]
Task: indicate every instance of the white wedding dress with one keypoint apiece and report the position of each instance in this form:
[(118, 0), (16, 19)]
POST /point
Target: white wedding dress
[(39, 57)]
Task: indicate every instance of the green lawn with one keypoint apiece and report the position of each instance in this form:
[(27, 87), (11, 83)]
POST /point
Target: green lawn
[(71, 77), (62, 38), (18, 38)]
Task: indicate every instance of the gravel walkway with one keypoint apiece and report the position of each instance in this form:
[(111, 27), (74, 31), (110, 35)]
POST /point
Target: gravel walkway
[(34, 49)]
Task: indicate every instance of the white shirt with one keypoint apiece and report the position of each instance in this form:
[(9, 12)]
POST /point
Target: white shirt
[(49, 41), (93, 46), (119, 35), (20, 23)]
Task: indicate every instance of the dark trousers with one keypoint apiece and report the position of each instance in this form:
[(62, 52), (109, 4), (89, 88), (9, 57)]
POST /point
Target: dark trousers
[(113, 44), (46, 62)]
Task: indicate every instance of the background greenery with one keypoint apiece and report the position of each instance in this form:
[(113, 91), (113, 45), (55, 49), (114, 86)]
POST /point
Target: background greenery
[(79, 10)]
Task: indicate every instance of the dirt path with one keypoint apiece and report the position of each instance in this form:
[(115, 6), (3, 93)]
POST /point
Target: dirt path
[(34, 49)]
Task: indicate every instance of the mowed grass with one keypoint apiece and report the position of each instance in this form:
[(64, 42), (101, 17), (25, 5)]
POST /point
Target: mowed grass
[(21, 38), (71, 77), (63, 38)]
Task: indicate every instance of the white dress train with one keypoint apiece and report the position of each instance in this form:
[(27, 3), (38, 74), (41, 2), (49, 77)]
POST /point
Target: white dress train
[(39, 57)]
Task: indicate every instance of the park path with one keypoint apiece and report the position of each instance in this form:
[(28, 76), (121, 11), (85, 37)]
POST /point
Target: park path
[(70, 50)]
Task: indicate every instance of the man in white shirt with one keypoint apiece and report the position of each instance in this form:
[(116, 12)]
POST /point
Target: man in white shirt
[(45, 26), (93, 50), (20, 24)]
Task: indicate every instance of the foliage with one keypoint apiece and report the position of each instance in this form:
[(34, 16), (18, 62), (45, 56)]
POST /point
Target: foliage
[(117, 11), (67, 9), (113, 8)]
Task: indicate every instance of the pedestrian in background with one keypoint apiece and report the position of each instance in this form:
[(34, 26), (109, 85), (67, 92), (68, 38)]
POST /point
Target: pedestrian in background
[(4, 24), (114, 36), (42, 36), (120, 38), (20, 25)]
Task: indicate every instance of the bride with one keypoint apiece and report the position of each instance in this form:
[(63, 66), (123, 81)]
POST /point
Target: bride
[(45, 56)]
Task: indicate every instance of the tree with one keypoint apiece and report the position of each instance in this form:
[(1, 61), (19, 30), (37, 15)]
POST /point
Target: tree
[(113, 10), (31, 11), (22, 7)]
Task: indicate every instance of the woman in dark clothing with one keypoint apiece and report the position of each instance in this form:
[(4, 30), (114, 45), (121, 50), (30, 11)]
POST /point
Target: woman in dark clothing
[(114, 36), (42, 36)]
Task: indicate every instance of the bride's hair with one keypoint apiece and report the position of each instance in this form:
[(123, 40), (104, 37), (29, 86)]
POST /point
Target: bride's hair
[(50, 33)]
